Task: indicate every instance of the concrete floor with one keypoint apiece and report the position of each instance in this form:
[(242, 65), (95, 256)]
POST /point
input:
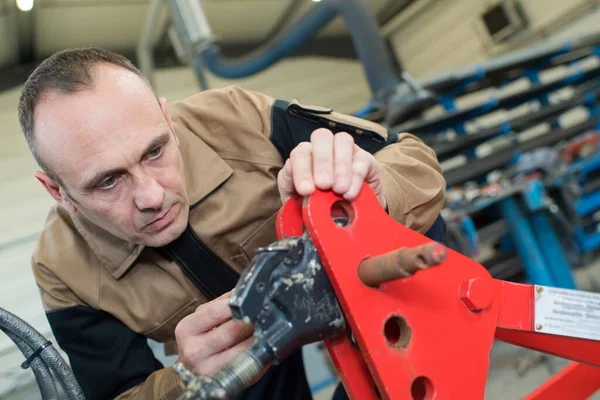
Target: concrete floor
[(513, 372)]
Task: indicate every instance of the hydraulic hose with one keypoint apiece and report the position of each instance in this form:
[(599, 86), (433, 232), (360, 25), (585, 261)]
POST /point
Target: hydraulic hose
[(48, 361), (42, 374), (270, 53), (369, 44)]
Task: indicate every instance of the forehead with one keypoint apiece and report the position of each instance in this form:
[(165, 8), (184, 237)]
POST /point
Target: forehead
[(98, 126)]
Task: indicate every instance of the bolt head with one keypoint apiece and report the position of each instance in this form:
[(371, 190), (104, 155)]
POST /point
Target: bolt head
[(476, 294)]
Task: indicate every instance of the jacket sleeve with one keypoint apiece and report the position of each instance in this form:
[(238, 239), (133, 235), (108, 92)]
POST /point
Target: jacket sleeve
[(109, 360), (412, 180), (413, 184)]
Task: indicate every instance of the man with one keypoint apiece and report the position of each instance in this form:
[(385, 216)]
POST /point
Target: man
[(160, 207)]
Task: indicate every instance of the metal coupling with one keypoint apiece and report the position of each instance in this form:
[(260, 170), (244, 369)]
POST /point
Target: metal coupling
[(240, 373)]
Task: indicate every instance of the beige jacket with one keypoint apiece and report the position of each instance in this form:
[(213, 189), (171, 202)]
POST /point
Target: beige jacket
[(233, 144)]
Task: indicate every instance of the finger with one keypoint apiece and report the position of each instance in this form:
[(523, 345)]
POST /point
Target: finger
[(227, 335), (225, 295), (302, 169), (322, 157), (220, 360), (206, 317), (361, 167), (285, 182), (343, 151), (196, 351), (373, 178)]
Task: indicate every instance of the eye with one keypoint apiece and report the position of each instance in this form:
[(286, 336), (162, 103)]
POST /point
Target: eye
[(108, 183), (156, 152)]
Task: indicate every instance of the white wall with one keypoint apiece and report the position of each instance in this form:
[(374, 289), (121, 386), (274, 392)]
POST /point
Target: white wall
[(113, 25), (117, 25), (444, 35), (8, 35)]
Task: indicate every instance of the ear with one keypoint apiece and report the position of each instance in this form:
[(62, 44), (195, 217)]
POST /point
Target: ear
[(165, 110), (55, 191)]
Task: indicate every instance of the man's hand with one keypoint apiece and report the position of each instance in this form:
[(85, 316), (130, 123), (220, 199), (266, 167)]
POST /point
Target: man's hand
[(209, 338), (329, 161)]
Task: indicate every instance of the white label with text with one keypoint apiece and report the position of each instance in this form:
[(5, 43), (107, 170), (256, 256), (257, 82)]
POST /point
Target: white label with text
[(567, 312)]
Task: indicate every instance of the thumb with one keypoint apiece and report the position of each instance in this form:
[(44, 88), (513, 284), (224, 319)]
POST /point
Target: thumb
[(285, 182), (373, 179)]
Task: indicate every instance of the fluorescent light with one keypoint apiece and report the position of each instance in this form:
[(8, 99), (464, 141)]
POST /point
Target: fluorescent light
[(316, 1), (25, 5)]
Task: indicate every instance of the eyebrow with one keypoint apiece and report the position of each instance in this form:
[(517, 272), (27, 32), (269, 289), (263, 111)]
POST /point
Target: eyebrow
[(99, 177)]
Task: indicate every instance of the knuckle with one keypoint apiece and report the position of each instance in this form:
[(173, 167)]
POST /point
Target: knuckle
[(364, 158), (187, 356), (281, 177), (181, 330), (202, 370), (302, 148), (231, 334), (284, 172), (193, 355), (321, 133), (341, 168), (179, 336), (208, 369), (345, 137), (322, 159), (214, 311), (361, 168)]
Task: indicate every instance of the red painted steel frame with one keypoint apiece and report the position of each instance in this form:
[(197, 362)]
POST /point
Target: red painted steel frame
[(428, 336), (575, 381)]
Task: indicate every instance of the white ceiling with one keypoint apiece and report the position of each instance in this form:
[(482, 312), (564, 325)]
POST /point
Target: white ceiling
[(116, 24)]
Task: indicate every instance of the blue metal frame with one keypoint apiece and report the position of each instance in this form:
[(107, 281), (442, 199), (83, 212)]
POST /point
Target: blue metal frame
[(531, 254), (587, 203), (552, 251), (586, 166), (534, 195), (586, 243), (546, 236), (468, 227), (534, 78)]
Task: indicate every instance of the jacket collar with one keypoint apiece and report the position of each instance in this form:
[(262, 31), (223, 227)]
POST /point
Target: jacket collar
[(204, 172)]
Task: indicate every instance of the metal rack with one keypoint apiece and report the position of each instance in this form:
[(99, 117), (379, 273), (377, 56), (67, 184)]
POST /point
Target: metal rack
[(546, 220)]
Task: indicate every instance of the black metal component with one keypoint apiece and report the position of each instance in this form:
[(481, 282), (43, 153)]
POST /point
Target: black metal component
[(285, 292), (297, 305)]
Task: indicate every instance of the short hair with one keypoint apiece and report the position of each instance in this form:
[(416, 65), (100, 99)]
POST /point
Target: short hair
[(67, 71)]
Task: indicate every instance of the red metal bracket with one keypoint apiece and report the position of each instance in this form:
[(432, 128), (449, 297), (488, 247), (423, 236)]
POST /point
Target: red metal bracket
[(427, 336)]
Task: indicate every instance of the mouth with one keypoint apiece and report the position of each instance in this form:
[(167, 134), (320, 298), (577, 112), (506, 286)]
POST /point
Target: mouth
[(162, 221)]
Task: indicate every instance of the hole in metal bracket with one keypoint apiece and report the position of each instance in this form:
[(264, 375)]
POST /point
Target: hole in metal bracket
[(342, 213), (422, 389), (397, 332)]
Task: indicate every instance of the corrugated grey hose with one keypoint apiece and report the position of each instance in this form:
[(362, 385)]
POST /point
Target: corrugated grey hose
[(40, 370), (48, 362)]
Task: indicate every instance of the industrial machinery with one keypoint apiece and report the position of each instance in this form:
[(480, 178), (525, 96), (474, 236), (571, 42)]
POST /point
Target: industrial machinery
[(396, 310), (395, 95)]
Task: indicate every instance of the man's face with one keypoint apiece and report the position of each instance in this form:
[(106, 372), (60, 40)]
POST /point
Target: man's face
[(115, 152)]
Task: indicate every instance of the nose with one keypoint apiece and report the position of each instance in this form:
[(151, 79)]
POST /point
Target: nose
[(149, 194)]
